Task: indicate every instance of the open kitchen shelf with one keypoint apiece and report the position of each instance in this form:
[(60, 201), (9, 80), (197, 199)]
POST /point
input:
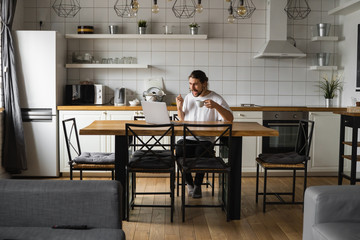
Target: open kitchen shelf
[(348, 7), (137, 36), (323, 68), (327, 38), (93, 65)]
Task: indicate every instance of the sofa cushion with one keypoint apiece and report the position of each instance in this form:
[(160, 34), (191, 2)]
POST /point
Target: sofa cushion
[(47, 233), (44, 203), (337, 231)]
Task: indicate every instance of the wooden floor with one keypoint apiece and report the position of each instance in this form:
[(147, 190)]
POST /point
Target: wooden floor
[(279, 222)]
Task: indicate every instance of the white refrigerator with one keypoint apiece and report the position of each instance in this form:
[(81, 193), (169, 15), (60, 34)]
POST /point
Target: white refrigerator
[(40, 65)]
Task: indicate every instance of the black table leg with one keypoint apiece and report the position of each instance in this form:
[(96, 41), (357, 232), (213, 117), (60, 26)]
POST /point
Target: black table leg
[(121, 154), (235, 175), (341, 151)]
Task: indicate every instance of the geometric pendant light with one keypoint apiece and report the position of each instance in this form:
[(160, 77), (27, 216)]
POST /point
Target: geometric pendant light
[(184, 8), (297, 9), (243, 9), (66, 8), (126, 8)]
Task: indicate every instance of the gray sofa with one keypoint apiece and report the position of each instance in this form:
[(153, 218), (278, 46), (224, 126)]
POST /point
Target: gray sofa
[(30, 208), (332, 212)]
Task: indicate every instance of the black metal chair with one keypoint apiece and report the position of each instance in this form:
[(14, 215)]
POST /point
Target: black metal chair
[(207, 183), (209, 161), (84, 161), (294, 161), (152, 155)]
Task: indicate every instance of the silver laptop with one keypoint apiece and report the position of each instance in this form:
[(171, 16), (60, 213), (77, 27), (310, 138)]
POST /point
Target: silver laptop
[(155, 112)]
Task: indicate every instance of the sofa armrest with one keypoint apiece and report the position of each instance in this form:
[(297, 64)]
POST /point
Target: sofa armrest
[(325, 204)]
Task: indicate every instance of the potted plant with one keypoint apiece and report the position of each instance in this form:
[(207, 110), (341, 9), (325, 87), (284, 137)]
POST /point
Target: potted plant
[(329, 87), (142, 26), (194, 27)]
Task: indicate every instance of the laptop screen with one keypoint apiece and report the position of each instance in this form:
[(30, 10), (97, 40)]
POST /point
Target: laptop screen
[(155, 112)]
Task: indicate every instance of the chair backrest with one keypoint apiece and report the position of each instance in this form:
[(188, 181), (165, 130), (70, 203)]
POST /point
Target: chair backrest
[(222, 141), (304, 137), (71, 138), (153, 141)]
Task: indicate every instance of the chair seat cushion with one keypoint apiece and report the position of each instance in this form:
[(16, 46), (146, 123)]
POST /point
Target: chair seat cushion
[(214, 163), (282, 158), (157, 159), (95, 158)]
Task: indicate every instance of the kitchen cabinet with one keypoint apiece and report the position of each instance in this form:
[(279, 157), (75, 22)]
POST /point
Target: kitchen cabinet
[(324, 150), (88, 143), (251, 145)]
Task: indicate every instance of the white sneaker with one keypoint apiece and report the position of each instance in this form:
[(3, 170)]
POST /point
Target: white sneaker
[(190, 189), (197, 192)]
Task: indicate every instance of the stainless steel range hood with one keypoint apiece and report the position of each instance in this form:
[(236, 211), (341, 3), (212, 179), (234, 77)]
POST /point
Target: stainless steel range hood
[(276, 45)]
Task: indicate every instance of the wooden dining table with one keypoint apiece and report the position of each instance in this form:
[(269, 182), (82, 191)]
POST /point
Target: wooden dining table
[(239, 130)]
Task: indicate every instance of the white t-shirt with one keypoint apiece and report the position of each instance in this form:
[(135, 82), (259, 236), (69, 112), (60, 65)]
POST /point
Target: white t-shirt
[(195, 113)]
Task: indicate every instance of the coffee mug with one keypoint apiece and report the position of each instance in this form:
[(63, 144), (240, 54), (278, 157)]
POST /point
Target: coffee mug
[(199, 103)]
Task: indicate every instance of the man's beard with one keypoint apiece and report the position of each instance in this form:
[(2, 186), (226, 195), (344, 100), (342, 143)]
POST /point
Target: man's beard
[(199, 93)]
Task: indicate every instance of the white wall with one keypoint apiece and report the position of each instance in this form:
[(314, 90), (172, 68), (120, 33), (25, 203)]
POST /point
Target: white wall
[(348, 49), (226, 57)]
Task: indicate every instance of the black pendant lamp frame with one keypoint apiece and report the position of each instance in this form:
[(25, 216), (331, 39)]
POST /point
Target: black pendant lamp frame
[(66, 8), (247, 6), (184, 9), (125, 8), (297, 9)]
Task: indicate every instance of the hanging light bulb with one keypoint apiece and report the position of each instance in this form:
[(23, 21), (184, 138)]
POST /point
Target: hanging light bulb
[(199, 8), (241, 10), (135, 5), (155, 7), (231, 18)]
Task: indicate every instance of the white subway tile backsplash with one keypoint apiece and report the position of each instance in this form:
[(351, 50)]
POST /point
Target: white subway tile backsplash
[(272, 88), (244, 45), (271, 73), (215, 73), (202, 59), (257, 88), (243, 87), (285, 100), (285, 88), (226, 56), (299, 74), (187, 58), (257, 73), (244, 30), (243, 73), (258, 31), (172, 58), (298, 88)]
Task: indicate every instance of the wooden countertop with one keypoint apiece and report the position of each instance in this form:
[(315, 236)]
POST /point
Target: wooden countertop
[(173, 108)]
